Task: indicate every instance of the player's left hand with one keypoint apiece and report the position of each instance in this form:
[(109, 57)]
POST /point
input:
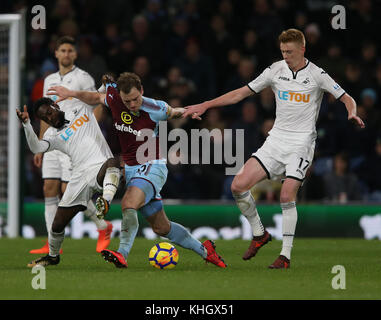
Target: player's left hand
[(356, 120), (23, 116), (195, 111)]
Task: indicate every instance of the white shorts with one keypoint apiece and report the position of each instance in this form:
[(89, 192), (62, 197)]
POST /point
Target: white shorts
[(81, 187), (285, 157), (56, 165)]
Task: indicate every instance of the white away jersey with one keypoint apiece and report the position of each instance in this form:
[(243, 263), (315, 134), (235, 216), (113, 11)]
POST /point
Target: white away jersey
[(76, 79), (298, 96), (81, 138)]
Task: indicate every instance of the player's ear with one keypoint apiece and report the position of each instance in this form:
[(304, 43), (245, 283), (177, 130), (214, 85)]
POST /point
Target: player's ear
[(142, 90)]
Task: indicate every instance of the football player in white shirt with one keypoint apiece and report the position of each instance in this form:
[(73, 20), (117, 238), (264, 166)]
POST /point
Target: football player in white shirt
[(298, 85), (77, 134), (56, 166)]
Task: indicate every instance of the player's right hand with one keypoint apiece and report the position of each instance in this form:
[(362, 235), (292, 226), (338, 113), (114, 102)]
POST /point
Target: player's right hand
[(37, 159), (23, 116), (60, 91), (107, 78)]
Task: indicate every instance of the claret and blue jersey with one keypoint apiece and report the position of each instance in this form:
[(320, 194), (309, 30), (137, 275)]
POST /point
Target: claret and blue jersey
[(129, 126), (150, 176)]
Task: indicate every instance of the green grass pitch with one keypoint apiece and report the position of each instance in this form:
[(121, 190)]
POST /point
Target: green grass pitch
[(83, 274)]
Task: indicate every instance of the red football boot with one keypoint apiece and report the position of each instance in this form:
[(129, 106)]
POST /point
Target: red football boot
[(43, 250), (114, 257), (104, 237), (212, 256), (280, 263), (256, 244)]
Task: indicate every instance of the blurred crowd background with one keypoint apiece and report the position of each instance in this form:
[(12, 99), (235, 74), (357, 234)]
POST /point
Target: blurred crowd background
[(189, 51)]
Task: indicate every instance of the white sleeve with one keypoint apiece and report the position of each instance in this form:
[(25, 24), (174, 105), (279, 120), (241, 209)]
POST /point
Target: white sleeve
[(327, 84), (45, 89), (262, 81), (86, 82), (35, 145)]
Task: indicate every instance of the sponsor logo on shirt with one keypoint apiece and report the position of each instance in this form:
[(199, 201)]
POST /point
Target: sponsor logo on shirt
[(78, 123), (123, 128), (284, 78), (293, 96), (126, 118)]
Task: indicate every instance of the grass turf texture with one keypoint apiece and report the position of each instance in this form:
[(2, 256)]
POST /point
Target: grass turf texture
[(83, 274)]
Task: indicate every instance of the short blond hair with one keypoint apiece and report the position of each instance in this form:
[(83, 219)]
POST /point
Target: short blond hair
[(292, 35)]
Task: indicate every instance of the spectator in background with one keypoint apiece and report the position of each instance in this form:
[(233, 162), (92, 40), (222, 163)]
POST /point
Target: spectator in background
[(334, 62), (314, 42), (351, 82), (369, 172), (357, 143), (111, 46), (156, 16), (68, 28), (249, 122), (93, 63), (217, 41), (368, 62), (127, 54), (47, 68), (244, 73), (177, 39), (142, 68), (341, 185), (199, 68), (368, 101), (63, 10), (267, 103), (146, 44)]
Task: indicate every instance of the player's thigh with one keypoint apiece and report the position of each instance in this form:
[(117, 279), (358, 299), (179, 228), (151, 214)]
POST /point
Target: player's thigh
[(133, 198), (250, 174), (159, 223), (52, 187), (289, 190)]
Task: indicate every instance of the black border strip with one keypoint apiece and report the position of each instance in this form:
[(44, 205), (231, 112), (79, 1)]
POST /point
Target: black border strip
[(295, 178), (263, 166)]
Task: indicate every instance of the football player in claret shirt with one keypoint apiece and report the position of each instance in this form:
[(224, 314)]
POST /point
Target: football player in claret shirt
[(298, 86), (132, 113)]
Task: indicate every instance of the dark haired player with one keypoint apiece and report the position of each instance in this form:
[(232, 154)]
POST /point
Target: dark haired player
[(132, 113), (56, 166), (77, 134)]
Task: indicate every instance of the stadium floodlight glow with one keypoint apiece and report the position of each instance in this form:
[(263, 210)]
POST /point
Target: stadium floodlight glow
[(13, 23)]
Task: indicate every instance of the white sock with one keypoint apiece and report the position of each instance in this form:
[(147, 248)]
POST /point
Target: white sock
[(246, 205), (55, 242), (290, 217), (110, 183), (51, 205), (91, 213)]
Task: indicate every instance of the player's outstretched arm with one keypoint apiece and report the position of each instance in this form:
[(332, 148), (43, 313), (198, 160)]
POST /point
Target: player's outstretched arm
[(176, 113), (89, 97), (350, 104), (35, 145), (229, 98)]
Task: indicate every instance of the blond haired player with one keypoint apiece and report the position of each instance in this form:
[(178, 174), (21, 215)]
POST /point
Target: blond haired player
[(57, 166), (298, 85)]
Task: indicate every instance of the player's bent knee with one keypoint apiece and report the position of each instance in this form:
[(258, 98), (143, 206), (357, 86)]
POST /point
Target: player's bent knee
[(57, 227), (51, 188), (237, 187), (286, 197), (161, 230)]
